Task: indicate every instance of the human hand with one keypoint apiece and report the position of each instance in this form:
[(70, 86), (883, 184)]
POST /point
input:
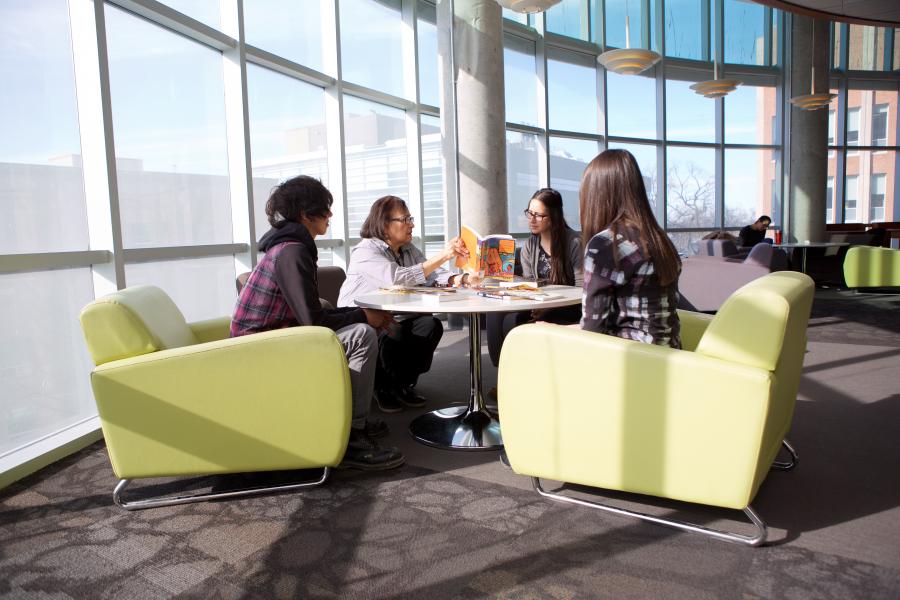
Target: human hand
[(474, 279), (456, 247), (380, 320)]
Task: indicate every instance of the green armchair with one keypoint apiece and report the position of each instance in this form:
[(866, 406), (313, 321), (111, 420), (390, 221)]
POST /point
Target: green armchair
[(867, 266), (179, 399), (703, 424)]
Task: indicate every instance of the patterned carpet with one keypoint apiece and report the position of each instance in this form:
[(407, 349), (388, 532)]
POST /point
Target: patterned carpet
[(472, 530)]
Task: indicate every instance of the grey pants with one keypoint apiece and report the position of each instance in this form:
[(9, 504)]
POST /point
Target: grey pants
[(361, 347)]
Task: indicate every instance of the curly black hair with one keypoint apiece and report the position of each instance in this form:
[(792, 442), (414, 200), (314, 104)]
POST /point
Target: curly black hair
[(296, 197)]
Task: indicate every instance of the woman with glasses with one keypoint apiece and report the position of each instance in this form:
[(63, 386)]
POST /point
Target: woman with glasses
[(631, 267), (386, 256), (553, 253)]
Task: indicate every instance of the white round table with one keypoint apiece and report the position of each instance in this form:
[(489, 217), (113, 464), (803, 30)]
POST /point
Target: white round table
[(469, 427)]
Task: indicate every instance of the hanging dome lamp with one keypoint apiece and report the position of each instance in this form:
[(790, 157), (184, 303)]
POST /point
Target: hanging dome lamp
[(812, 100), (528, 6), (628, 60)]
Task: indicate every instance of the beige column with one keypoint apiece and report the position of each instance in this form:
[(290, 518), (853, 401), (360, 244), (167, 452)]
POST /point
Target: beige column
[(473, 117), (808, 139)]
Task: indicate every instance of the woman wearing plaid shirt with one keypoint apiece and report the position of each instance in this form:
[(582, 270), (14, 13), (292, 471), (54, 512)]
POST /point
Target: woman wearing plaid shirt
[(631, 267)]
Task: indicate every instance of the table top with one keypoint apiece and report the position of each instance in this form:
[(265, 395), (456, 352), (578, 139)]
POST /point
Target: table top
[(466, 301), (811, 244)]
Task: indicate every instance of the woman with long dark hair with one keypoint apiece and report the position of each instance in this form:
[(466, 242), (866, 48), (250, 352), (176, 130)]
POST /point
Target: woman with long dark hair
[(552, 253), (631, 267)]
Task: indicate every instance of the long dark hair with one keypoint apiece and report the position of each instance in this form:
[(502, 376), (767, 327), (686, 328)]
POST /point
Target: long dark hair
[(560, 261), (613, 197), (376, 224)]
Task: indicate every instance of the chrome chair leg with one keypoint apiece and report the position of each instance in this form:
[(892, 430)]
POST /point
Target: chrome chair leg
[(787, 465), (757, 539), (204, 497)]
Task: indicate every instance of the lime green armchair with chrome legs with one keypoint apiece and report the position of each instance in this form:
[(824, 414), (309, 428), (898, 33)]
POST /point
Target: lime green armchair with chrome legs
[(179, 399), (702, 424)]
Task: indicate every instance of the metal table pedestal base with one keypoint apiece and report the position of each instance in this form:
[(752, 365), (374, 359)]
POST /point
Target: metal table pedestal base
[(458, 428)]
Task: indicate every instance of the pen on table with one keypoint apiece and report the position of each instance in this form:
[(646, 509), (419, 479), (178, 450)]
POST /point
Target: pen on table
[(490, 295)]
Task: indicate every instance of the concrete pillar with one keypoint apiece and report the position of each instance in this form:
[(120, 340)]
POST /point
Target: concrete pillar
[(808, 133), (473, 110)]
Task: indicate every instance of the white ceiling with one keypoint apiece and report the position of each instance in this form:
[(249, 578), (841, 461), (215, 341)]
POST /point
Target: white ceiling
[(874, 12)]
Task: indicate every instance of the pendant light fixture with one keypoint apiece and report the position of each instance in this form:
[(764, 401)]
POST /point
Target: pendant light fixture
[(715, 87), (628, 60), (812, 100), (528, 6)]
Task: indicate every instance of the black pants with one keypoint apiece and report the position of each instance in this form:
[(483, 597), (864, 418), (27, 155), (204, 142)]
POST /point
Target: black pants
[(406, 350), (500, 324)]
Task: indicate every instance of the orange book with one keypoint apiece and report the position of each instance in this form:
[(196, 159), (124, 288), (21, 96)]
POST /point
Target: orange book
[(491, 256)]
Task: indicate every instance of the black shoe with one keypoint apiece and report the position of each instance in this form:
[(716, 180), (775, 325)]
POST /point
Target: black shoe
[(409, 397), (387, 401), (376, 428), (364, 453)]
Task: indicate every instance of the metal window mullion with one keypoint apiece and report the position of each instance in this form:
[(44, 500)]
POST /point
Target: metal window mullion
[(171, 19), (335, 135), (840, 127), (101, 190), (767, 35), (165, 253), (543, 97), (409, 15), (237, 129), (45, 261), (719, 40), (445, 15), (646, 17), (704, 29), (287, 67), (661, 173)]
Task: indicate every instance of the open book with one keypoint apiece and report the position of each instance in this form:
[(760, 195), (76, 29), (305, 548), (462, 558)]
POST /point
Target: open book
[(493, 255)]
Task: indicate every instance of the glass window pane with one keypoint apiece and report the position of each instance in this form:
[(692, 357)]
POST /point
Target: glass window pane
[(750, 115), (871, 186), (522, 179), (287, 134), (205, 11), (371, 40), (684, 37), (42, 205), (750, 186), (776, 49), (376, 158), (690, 187), (640, 32), (645, 155), (432, 176), (689, 116), (829, 200), (566, 19), (515, 16), (44, 364), (866, 45), (296, 33), (631, 105), (745, 29), (202, 288), (572, 93), (895, 63), (429, 88), (169, 121), (568, 158), (520, 81)]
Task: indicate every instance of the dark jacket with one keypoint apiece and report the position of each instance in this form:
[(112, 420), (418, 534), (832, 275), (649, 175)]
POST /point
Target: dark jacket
[(283, 289)]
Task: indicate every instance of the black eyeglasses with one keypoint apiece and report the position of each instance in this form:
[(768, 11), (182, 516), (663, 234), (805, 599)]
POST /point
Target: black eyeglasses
[(409, 219), (533, 216)]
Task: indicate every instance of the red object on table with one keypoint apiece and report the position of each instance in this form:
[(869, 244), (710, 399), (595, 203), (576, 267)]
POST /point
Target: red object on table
[(777, 236)]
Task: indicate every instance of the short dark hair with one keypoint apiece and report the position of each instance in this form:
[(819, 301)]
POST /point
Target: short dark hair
[(764, 218), (300, 196), (376, 224)]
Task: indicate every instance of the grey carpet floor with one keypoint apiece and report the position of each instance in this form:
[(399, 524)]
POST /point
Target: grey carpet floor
[(460, 525)]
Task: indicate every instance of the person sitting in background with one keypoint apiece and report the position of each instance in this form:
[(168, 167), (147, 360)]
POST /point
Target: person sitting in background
[(282, 291), (631, 267), (386, 256), (553, 253), (754, 233)]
